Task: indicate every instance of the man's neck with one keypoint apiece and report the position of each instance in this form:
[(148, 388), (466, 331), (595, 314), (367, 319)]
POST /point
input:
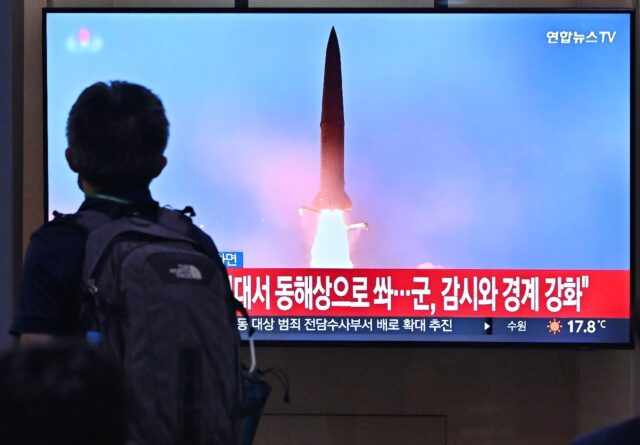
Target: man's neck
[(87, 187)]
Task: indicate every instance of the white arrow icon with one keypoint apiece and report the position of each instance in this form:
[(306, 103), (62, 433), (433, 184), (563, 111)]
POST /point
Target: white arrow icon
[(487, 326)]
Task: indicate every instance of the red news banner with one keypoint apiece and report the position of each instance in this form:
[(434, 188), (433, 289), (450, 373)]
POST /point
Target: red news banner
[(433, 292)]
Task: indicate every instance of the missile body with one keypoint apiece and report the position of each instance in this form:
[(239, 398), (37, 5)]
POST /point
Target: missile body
[(332, 194)]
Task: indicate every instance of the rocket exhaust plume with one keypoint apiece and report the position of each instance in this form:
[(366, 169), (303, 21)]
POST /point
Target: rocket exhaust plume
[(332, 195)]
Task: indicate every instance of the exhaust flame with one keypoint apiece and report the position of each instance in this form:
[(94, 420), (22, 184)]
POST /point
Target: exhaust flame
[(331, 245)]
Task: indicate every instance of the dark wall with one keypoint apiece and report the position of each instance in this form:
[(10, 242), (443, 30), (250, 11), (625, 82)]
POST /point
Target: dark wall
[(10, 100)]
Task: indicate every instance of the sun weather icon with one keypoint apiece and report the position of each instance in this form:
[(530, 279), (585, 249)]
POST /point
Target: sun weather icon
[(554, 326)]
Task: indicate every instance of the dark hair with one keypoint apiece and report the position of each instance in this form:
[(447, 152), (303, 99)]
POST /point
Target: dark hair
[(61, 394), (118, 132)]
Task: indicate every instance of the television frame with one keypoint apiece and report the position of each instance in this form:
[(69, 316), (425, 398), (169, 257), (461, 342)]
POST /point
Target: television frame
[(630, 344)]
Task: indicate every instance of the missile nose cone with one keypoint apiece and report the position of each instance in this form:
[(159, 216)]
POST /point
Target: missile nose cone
[(333, 48), (333, 37), (332, 107)]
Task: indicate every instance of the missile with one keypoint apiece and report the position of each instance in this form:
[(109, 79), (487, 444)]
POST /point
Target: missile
[(332, 195)]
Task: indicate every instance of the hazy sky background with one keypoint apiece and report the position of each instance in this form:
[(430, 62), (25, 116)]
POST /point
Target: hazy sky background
[(470, 142)]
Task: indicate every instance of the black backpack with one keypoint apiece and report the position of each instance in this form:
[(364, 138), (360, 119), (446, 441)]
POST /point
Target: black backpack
[(160, 304)]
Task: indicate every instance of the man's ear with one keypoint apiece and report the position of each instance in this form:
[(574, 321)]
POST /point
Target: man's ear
[(162, 163), (69, 155)]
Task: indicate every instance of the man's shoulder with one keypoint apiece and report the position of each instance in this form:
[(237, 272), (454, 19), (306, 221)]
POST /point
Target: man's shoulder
[(60, 230), (57, 247), (625, 433)]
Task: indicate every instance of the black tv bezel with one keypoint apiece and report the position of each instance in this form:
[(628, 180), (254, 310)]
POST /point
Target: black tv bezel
[(630, 344)]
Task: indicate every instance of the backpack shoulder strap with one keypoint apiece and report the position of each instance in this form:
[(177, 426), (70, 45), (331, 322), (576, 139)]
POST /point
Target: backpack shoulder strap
[(175, 220)]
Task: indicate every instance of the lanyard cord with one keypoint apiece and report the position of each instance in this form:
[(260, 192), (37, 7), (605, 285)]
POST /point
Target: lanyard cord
[(107, 198)]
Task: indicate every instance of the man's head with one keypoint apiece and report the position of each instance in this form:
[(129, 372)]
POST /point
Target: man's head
[(61, 394), (117, 133)]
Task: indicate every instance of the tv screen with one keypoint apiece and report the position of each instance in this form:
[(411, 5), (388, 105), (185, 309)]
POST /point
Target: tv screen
[(404, 176)]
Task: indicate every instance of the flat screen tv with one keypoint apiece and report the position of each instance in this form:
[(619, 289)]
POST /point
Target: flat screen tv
[(385, 175)]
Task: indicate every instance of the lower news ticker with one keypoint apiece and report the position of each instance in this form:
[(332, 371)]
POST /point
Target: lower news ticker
[(435, 305)]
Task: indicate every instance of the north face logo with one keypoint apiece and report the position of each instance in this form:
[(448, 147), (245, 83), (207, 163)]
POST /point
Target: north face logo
[(187, 272)]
